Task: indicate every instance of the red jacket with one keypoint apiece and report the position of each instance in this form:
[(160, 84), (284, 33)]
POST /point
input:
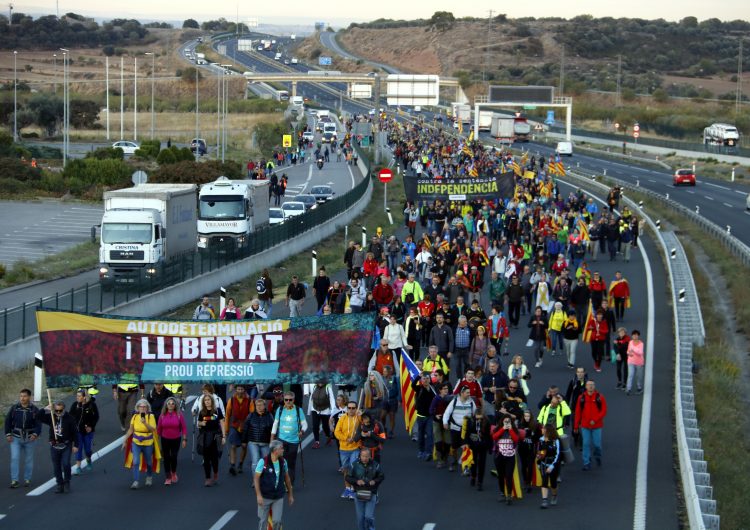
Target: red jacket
[(383, 294), (598, 329), (590, 411), (621, 289), (474, 388), (370, 267)]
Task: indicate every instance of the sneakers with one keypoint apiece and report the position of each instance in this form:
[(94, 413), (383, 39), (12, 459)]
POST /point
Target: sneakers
[(207, 483), (451, 468), (149, 481), (76, 470), (348, 493), (316, 445), (598, 461), (26, 483), (538, 364), (135, 485), (60, 489), (440, 464), (89, 466), (619, 385), (330, 440), (232, 471), (174, 478), (545, 504), (639, 392), (239, 467), (586, 467), (14, 484), (553, 501), (168, 481)]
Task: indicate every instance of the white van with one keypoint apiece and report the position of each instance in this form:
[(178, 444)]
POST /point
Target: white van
[(564, 148), (298, 101)]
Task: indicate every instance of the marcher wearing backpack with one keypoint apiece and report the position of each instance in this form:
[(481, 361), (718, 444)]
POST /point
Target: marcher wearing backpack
[(322, 402), (589, 420), (264, 286), (270, 486), (288, 426), (460, 407)]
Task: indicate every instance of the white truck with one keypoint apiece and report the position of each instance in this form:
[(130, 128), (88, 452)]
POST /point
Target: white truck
[(461, 112), (485, 120), (721, 134), (200, 56), (502, 128), (143, 228), (229, 211)]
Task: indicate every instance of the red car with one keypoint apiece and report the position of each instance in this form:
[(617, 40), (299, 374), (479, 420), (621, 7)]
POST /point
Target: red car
[(683, 176)]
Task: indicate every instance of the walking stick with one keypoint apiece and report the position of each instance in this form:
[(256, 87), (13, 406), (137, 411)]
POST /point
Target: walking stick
[(52, 414), (301, 456)]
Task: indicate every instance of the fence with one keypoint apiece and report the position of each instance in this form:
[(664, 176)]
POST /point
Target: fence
[(689, 331), (20, 322)]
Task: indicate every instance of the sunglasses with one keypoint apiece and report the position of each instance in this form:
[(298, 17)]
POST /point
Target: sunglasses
[(288, 400), (352, 408), (59, 410)]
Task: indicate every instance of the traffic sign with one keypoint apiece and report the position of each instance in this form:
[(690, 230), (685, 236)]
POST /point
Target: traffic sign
[(636, 134), (139, 177), (385, 175), (529, 107), (617, 125), (286, 140), (636, 127)]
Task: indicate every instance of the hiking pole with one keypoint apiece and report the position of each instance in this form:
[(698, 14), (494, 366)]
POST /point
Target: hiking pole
[(192, 450), (301, 456)]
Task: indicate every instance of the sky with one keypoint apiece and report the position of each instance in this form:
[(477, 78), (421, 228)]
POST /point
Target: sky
[(341, 13)]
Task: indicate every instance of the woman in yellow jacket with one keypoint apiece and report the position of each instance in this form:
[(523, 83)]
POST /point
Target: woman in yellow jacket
[(141, 444), (556, 319), (346, 428)]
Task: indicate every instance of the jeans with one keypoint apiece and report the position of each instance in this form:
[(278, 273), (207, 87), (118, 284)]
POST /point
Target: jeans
[(459, 361), (366, 513), (148, 454), (556, 340), (18, 446), (635, 372), (267, 307), (538, 347), (424, 434), (276, 507), (61, 463), (257, 451), (591, 437), (85, 446)]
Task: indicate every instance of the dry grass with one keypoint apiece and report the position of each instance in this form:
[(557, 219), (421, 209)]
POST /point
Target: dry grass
[(12, 382)]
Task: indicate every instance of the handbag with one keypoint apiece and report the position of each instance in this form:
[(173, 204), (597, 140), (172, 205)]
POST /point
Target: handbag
[(613, 356), (364, 495)]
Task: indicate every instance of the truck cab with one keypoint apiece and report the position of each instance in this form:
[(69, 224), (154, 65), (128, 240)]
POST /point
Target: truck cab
[(229, 211)]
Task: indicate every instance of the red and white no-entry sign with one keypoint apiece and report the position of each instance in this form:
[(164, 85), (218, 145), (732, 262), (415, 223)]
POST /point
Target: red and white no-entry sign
[(636, 127), (385, 175), (636, 134)]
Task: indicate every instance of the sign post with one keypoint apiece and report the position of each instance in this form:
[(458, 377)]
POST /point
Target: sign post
[(636, 132), (385, 175)]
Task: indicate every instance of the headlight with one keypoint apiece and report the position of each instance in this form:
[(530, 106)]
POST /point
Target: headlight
[(151, 271), (202, 239), (103, 270), (314, 206)]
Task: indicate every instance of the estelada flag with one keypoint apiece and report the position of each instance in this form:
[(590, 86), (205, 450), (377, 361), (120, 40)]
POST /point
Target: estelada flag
[(155, 458), (589, 320), (517, 490), (444, 244), (536, 476), (408, 373), (583, 229), (611, 298), (467, 457)]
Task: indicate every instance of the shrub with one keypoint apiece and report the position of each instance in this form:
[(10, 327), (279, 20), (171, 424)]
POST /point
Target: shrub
[(2, 270), (11, 186), (52, 182), (103, 153), (166, 156), (192, 172), (149, 149), (13, 169), (88, 172), (22, 272)]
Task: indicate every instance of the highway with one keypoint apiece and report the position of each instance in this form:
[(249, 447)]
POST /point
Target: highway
[(328, 39), (414, 493)]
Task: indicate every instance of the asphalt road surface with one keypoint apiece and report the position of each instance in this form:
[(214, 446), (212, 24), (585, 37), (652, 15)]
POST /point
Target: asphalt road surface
[(35, 230), (414, 492)]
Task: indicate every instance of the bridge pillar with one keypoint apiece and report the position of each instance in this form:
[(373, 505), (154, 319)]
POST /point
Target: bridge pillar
[(294, 88)]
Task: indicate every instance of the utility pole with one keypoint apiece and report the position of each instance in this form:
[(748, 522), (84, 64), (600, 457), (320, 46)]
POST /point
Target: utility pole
[(738, 103), (15, 97), (153, 70), (562, 71), (618, 101), (122, 97), (487, 49), (135, 99), (106, 89), (377, 115), (196, 113)]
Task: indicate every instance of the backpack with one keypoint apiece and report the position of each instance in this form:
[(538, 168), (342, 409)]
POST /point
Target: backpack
[(260, 285), (597, 399), (320, 398)]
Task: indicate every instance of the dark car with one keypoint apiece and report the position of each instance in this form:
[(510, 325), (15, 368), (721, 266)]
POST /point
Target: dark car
[(308, 200), (198, 144), (322, 193)]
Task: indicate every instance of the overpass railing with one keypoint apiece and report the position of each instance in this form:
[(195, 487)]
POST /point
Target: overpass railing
[(689, 331)]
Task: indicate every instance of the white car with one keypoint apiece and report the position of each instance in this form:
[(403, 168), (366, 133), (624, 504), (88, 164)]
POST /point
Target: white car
[(747, 204), (293, 208), (564, 148), (128, 148), (276, 216), (308, 136)]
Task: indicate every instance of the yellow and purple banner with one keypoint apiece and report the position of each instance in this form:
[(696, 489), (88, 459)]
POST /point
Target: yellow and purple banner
[(335, 348)]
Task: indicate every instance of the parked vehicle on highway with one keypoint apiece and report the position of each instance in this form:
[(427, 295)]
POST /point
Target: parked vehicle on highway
[(229, 211), (564, 148), (142, 229), (309, 201), (322, 193), (293, 208), (199, 145), (308, 136), (127, 147), (683, 176), (276, 216)]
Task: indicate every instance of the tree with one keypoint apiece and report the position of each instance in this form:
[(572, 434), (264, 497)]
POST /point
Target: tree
[(47, 110), (660, 95), (191, 23), (442, 20), (84, 113), (108, 50), (188, 74)]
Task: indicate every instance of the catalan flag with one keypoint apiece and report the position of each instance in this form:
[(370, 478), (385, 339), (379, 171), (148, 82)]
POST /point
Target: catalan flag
[(465, 150), (471, 135), (551, 166), (460, 126), (427, 243), (583, 229), (473, 172), (444, 244), (467, 457), (589, 320), (525, 159), (516, 168), (560, 166), (485, 259), (409, 373), (610, 295)]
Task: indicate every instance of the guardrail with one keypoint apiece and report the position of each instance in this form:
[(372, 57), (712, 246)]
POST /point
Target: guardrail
[(689, 331), (20, 322)]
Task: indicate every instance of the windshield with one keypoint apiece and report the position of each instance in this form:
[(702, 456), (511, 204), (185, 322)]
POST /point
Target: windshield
[(276, 214), (126, 233), (293, 206), (306, 198), (222, 207), (320, 191)]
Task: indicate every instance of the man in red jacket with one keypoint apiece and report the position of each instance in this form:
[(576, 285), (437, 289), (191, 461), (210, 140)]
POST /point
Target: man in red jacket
[(383, 292), (589, 420)]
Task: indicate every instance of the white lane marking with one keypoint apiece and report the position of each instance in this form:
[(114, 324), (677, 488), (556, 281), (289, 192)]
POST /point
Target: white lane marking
[(709, 198), (740, 192), (97, 455), (717, 186), (651, 180), (224, 519), (746, 212), (727, 205), (2, 516), (351, 174), (691, 192), (641, 475), (429, 526)]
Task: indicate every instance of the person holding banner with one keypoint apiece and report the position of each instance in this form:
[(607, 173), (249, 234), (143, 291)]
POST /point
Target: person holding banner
[(62, 438)]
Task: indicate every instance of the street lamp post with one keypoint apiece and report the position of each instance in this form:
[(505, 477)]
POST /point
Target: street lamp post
[(66, 109), (122, 98), (15, 98), (225, 109), (54, 69), (135, 99), (153, 66)]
